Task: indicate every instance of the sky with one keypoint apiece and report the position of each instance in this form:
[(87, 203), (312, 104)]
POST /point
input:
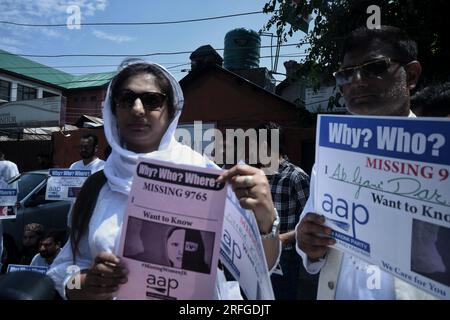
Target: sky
[(127, 40)]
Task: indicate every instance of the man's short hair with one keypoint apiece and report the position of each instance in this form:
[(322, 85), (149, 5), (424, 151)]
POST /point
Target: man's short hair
[(404, 48), (269, 126), (90, 135), (55, 235)]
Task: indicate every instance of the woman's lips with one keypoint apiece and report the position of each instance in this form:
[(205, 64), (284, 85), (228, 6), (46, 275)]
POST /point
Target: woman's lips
[(137, 126)]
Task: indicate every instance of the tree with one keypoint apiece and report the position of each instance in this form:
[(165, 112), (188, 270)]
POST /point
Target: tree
[(425, 21)]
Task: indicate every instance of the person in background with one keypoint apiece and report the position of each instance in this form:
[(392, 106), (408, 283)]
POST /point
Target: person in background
[(378, 71), (8, 170), (43, 161), (32, 236), (88, 150), (49, 248), (289, 186), (432, 101)]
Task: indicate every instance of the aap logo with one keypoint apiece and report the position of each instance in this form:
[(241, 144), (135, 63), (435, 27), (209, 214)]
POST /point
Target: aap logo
[(160, 286)]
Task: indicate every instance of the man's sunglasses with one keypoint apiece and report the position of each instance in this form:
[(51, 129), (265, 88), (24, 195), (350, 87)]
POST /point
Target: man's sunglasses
[(150, 100), (371, 69)]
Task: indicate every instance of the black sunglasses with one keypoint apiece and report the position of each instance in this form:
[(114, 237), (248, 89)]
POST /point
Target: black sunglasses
[(150, 100), (371, 69)]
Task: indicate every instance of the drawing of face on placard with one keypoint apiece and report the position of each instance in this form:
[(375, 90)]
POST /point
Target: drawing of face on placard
[(186, 249), (175, 247), (183, 248)]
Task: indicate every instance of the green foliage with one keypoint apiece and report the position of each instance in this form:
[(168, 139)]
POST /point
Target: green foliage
[(426, 21)]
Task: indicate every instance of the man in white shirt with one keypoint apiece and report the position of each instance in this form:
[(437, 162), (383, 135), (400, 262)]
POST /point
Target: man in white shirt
[(378, 71), (8, 170), (88, 149)]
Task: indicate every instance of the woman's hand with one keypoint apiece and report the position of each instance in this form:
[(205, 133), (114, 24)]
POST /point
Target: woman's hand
[(102, 280), (252, 189)]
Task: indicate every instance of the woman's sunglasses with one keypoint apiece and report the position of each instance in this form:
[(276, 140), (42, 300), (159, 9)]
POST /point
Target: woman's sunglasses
[(372, 69), (150, 100)]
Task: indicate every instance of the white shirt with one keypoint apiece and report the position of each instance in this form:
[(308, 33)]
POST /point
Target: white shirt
[(94, 166), (38, 261), (8, 170)]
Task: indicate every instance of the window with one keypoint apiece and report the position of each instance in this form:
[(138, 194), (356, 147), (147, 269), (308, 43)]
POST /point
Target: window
[(26, 93), (5, 90), (47, 94)]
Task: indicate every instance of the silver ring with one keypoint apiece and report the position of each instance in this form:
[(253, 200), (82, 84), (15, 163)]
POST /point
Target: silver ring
[(248, 181)]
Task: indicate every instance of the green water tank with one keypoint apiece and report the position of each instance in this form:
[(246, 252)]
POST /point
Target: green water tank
[(242, 49)]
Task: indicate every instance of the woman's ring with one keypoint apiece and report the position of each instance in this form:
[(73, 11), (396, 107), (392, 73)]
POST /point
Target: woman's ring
[(248, 181)]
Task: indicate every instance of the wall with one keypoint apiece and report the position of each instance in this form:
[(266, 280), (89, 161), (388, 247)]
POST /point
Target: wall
[(24, 153), (228, 102), (294, 92), (84, 101)]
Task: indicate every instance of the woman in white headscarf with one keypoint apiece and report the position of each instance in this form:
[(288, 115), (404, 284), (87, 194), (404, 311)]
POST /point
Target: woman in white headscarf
[(141, 112)]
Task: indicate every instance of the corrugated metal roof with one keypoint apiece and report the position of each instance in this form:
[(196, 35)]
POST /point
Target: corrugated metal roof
[(86, 121), (16, 64), (31, 69), (88, 80)]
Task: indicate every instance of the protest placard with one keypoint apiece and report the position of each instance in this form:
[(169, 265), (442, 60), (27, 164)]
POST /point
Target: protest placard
[(65, 184), (241, 251), (8, 200), (21, 267), (171, 233), (383, 185)]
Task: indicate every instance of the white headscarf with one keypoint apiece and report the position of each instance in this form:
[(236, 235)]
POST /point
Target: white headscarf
[(120, 166)]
